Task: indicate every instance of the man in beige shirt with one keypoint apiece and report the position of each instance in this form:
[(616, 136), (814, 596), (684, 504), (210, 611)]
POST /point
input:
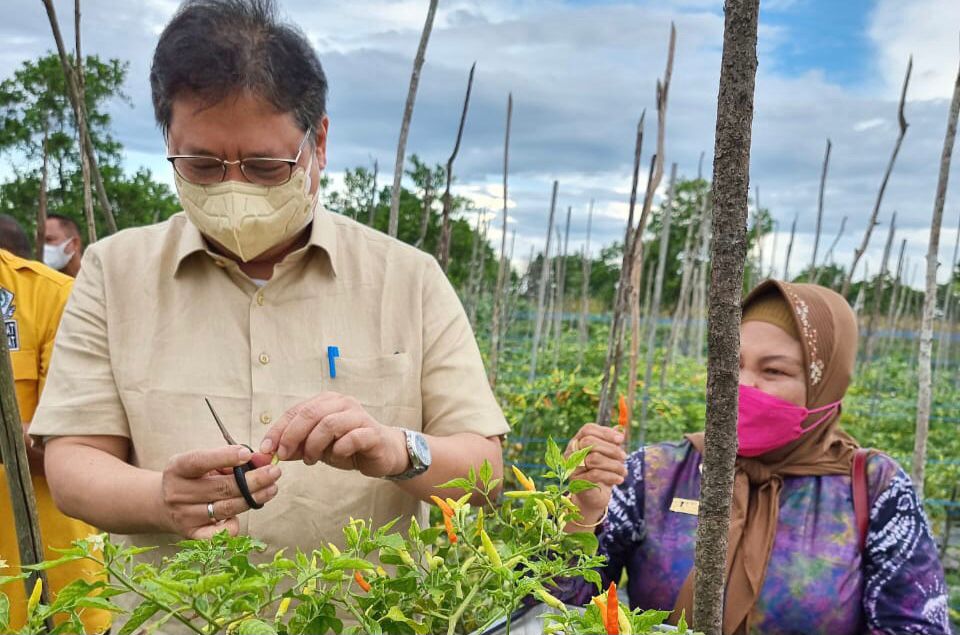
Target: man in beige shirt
[(313, 336)]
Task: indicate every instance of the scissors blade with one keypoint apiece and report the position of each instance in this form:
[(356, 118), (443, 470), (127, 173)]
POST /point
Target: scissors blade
[(223, 429)]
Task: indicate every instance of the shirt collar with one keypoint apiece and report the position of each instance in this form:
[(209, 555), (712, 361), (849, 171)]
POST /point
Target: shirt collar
[(323, 235)]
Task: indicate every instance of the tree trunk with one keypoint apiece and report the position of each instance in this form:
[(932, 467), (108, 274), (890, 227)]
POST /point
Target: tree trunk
[(878, 292), (502, 266), (80, 115), (667, 208), (443, 253), (542, 288), (82, 124), (814, 270), (611, 365), (731, 181), (584, 326), (41, 236), (924, 396), (858, 253), (407, 116)]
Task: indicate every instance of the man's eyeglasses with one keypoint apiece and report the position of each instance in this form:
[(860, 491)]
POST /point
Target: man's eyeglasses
[(201, 170)]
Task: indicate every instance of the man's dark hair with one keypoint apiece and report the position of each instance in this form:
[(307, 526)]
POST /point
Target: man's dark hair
[(13, 238), (67, 224), (212, 48)]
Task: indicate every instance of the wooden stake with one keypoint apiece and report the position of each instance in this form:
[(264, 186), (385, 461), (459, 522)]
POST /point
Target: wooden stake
[(443, 253), (42, 200), (584, 327), (878, 292), (542, 288), (924, 373), (731, 174), (786, 264), (858, 253), (814, 270), (373, 194), (502, 265), (407, 116)]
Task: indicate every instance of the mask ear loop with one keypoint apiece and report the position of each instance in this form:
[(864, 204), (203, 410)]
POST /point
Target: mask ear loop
[(827, 408)]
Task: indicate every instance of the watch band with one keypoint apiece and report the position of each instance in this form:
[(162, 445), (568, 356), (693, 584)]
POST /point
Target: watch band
[(417, 466)]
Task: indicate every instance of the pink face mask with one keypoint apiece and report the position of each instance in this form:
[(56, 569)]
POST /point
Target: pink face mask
[(766, 422)]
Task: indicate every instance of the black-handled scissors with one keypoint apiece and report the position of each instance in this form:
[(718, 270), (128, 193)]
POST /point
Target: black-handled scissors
[(239, 471)]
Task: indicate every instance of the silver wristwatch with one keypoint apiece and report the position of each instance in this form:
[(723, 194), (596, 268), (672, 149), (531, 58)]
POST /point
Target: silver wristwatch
[(419, 452)]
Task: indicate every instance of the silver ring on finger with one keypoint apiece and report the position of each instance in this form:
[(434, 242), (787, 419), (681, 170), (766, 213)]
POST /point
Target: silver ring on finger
[(211, 515)]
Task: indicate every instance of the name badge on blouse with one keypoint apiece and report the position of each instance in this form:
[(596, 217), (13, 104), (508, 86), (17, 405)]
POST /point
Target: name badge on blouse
[(685, 506)]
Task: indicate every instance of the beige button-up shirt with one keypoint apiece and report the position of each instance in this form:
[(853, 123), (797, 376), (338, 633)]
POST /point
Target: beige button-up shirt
[(157, 322)]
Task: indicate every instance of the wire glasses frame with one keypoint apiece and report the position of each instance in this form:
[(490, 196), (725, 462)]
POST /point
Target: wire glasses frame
[(206, 170)]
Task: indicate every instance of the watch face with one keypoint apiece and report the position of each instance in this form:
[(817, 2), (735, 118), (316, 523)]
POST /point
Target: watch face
[(421, 448)]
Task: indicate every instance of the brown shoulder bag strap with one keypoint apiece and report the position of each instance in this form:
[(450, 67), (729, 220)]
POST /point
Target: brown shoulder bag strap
[(861, 499)]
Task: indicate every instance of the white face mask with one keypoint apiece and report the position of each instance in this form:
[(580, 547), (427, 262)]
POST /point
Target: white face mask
[(56, 256), (249, 219)]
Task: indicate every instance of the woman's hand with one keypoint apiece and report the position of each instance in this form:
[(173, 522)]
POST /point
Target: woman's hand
[(605, 467)]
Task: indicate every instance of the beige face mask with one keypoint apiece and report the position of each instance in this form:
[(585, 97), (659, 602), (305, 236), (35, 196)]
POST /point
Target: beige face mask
[(245, 218)]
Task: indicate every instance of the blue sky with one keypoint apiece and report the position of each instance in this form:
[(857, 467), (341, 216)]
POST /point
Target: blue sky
[(580, 73)]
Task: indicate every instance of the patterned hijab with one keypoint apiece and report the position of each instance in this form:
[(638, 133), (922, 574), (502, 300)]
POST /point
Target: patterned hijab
[(828, 334)]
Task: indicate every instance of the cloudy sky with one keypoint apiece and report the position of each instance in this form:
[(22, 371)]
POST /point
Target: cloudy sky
[(581, 71)]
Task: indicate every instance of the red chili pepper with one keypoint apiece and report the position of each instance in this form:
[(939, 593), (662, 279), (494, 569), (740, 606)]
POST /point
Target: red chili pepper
[(361, 582), (623, 420), (613, 622), (448, 525)]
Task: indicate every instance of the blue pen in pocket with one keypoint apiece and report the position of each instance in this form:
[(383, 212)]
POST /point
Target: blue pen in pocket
[(333, 352)]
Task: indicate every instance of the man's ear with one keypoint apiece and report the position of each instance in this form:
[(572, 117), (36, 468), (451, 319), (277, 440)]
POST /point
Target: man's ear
[(321, 143)]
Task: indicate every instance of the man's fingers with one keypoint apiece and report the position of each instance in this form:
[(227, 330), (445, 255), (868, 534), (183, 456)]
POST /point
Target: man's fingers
[(601, 477), (356, 441), (610, 435), (235, 506), (197, 463), (205, 532), (600, 462), (604, 447), (305, 420), (326, 432)]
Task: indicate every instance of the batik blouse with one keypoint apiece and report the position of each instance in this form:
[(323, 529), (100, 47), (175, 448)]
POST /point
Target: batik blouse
[(817, 581)]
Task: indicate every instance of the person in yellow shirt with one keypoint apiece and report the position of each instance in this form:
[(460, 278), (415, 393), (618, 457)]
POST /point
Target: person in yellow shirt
[(32, 298)]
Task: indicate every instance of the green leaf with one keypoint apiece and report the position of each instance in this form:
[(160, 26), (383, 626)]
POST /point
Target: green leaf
[(139, 617), (69, 594), (586, 540), (95, 602), (210, 582), (574, 460), (682, 622), (579, 485), (7, 579), (344, 562), (486, 472), (458, 483), (50, 564), (4, 612), (255, 627), (554, 458)]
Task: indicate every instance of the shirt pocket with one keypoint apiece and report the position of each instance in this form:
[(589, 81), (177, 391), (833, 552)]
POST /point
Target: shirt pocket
[(376, 381)]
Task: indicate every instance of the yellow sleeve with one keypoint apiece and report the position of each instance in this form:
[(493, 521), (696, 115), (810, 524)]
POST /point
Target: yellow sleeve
[(48, 335)]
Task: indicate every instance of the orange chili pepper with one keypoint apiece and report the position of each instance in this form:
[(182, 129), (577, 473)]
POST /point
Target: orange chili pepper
[(612, 621), (361, 582), (446, 509), (622, 419), (603, 609), (451, 534)]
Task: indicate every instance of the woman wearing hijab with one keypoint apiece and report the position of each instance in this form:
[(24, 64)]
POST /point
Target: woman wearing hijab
[(795, 562)]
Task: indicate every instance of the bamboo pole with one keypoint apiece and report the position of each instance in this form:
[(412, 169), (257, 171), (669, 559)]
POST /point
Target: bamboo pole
[(731, 173), (858, 253), (443, 253), (828, 258), (949, 313), (502, 266), (80, 115), (814, 270), (407, 116), (542, 288), (667, 209), (895, 297), (561, 288), (584, 327), (924, 374), (773, 252), (425, 214)]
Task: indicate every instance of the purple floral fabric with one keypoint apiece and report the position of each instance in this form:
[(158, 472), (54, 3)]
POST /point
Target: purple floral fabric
[(818, 581)]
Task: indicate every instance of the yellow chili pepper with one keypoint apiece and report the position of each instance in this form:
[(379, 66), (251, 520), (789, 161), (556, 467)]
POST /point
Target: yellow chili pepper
[(35, 596), (381, 571), (490, 550), (333, 548), (407, 559), (282, 609), (525, 481), (549, 600)]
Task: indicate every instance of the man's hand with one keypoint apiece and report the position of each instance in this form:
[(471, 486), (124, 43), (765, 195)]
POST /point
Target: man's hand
[(193, 479), (335, 429), (605, 467)]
